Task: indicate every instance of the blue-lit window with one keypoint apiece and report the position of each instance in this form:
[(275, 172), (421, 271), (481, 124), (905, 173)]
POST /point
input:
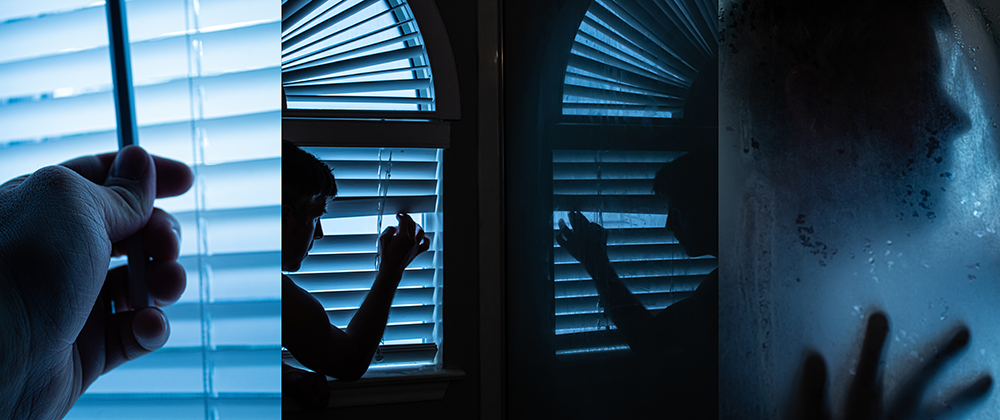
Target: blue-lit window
[(368, 56), (354, 55), (638, 59), (615, 189), (204, 73), (341, 267)]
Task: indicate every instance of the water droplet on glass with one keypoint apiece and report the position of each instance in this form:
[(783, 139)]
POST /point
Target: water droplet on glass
[(871, 260), (980, 233), (888, 243)]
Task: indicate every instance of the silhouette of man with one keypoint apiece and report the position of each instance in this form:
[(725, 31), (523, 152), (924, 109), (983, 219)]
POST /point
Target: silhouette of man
[(848, 121), (307, 186), (682, 339)]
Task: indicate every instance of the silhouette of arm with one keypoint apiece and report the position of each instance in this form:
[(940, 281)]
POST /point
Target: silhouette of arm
[(324, 348), (587, 243)]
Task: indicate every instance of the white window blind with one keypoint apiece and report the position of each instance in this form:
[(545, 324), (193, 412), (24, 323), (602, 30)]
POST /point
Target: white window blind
[(354, 55), (340, 268), (204, 72), (615, 190), (638, 58)]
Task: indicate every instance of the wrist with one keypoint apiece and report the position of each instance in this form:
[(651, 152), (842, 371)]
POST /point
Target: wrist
[(389, 274)]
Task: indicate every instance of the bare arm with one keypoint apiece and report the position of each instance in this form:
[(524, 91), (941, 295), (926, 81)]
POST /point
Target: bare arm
[(320, 346), (587, 243)]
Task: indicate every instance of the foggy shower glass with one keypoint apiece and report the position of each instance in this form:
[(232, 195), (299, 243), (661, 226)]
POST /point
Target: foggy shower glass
[(887, 201), (201, 72), (340, 269), (615, 190)]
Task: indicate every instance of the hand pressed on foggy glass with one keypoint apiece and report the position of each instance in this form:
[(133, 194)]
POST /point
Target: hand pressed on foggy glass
[(586, 242), (59, 228), (399, 245), (865, 395)]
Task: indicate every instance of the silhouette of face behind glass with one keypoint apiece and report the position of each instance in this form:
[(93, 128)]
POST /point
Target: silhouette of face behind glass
[(891, 102)]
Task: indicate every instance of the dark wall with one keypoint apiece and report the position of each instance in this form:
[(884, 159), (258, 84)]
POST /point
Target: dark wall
[(537, 40)]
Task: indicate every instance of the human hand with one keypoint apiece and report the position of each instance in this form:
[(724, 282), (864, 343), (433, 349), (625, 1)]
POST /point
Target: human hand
[(59, 228), (586, 242), (865, 395), (399, 245)]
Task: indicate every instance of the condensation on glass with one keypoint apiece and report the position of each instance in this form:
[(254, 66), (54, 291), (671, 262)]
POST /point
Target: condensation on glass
[(876, 190)]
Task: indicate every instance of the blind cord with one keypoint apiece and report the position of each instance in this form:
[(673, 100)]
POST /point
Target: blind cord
[(383, 191)]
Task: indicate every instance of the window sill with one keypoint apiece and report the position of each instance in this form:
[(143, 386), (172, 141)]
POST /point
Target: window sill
[(386, 385)]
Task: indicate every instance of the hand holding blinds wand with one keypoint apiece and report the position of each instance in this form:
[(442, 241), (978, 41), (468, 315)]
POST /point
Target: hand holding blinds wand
[(121, 74)]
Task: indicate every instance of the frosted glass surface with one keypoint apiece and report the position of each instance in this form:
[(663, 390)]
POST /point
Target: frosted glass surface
[(879, 193)]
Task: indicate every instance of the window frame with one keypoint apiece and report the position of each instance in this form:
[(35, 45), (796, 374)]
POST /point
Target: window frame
[(394, 129)]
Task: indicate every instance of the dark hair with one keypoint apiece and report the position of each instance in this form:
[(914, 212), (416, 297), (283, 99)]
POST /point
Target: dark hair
[(690, 180), (303, 177)]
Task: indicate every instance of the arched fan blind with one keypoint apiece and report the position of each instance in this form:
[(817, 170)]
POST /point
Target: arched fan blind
[(638, 58), (614, 189), (354, 55)]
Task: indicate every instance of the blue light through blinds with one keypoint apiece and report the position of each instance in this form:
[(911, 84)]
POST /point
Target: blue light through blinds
[(354, 55), (614, 189), (204, 74), (340, 268), (638, 58)]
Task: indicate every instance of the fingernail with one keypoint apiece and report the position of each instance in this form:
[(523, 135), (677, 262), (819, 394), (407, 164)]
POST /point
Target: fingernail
[(150, 328), (131, 163)]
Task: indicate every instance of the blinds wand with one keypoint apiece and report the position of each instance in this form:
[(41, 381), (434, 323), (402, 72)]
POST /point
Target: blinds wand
[(121, 75)]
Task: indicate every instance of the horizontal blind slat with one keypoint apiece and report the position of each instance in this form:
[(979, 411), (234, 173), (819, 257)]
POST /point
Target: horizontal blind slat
[(328, 281), (642, 268), (357, 262)]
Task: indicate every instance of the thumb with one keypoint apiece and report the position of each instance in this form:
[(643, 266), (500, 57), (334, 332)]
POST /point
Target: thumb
[(128, 193)]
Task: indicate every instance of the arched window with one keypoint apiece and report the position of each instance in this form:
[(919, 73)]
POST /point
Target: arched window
[(365, 55), (631, 70), (355, 55), (369, 91), (638, 59)]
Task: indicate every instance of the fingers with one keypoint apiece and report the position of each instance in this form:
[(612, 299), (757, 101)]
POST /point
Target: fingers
[(133, 334), (388, 233), (564, 231), (161, 237), (864, 399), (406, 225), (126, 201), (174, 178), (577, 220), (108, 340), (165, 283), (959, 402), (811, 401), (913, 388), (423, 243)]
